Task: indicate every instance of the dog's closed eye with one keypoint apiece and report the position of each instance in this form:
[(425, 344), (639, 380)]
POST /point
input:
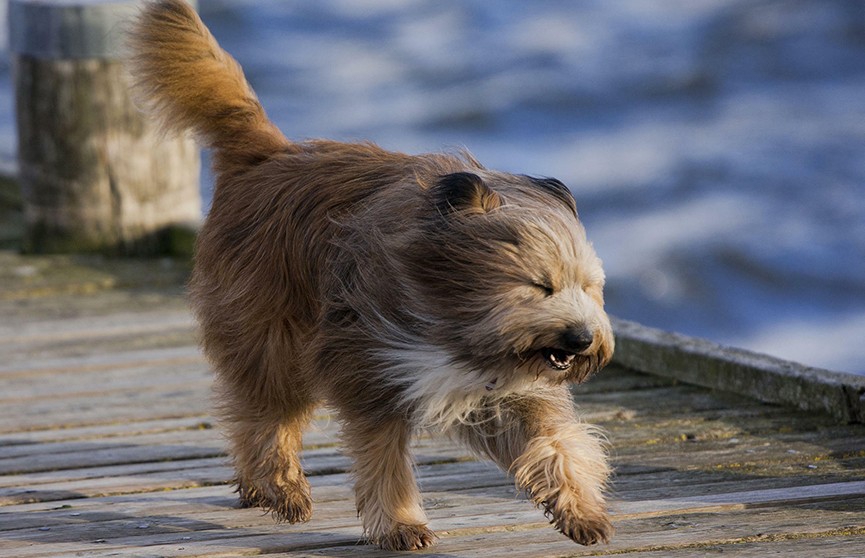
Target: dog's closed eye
[(544, 287)]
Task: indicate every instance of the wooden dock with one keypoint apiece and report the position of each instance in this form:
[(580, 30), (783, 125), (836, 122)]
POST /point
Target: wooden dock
[(107, 448)]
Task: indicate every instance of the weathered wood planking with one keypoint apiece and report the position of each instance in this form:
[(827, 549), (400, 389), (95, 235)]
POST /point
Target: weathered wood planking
[(763, 377), (107, 447)]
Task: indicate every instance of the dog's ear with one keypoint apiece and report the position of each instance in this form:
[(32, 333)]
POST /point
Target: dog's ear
[(464, 191), (557, 190)]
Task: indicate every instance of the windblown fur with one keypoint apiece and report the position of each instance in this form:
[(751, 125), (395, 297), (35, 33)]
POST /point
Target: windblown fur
[(405, 291)]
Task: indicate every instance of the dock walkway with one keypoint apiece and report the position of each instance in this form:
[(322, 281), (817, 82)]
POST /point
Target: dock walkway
[(108, 448)]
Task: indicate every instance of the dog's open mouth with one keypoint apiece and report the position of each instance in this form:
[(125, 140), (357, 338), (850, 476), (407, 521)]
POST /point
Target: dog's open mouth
[(557, 359)]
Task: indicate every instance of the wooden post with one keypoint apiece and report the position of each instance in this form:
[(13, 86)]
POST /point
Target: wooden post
[(94, 173)]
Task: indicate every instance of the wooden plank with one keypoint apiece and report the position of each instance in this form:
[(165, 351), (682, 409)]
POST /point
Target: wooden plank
[(102, 384), (219, 504), (21, 356), (741, 500), (666, 455), (704, 535), (129, 406), (100, 361), (20, 333), (154, 478), (198, 432), (621, 380), (712, 475), (128, 478), (441, 477), (434, 476), (823, 546), (766, 378), (669, 401), (134, 449), (100, 456), (478, 479), (486, 532), (35, 438)]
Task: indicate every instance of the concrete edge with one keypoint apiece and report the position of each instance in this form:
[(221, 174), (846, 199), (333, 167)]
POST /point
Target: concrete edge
[(762, 377)]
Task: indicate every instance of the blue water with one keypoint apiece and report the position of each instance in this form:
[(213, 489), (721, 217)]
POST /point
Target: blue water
[(716, 148)]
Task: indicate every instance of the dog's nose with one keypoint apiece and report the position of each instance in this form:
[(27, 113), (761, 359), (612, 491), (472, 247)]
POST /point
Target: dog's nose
[(577, 340)]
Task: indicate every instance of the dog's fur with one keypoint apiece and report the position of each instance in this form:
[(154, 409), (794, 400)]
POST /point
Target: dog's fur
[(404, 291)]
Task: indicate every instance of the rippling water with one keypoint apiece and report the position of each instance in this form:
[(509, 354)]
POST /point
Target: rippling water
[(716, 148)]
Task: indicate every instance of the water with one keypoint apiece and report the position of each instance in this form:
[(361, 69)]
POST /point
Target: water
[(716, 148)]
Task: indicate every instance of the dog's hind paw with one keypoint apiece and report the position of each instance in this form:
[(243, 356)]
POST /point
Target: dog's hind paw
[(291, 503)]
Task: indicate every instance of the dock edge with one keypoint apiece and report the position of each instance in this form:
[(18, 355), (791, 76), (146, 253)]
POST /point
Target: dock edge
[(763, 377)]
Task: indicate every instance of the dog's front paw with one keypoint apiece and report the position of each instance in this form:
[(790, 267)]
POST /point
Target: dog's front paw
[(290, 502), (407, 537), (586, 530)]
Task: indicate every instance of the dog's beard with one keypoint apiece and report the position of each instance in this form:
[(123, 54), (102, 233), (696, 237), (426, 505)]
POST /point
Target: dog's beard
[(441, 390), (562, 367)]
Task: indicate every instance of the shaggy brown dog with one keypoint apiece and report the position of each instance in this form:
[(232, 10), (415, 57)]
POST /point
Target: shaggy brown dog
[(404, 291)]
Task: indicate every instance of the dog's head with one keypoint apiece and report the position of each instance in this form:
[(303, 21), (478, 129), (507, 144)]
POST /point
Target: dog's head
[(503, 265)]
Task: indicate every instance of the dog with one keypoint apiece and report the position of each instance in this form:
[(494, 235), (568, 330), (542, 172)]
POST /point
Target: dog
[(405, 292)]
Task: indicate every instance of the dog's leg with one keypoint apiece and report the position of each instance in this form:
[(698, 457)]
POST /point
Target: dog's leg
[(265, 448), (264, 404), (387, 494), (560, 462)]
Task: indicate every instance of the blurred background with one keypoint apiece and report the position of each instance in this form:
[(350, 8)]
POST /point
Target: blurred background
[(716, 148)]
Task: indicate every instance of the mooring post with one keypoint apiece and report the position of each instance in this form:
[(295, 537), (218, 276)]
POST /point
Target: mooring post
[(95, 174)]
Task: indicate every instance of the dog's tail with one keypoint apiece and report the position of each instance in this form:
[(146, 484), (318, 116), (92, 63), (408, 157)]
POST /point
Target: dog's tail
[(187, 81)]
